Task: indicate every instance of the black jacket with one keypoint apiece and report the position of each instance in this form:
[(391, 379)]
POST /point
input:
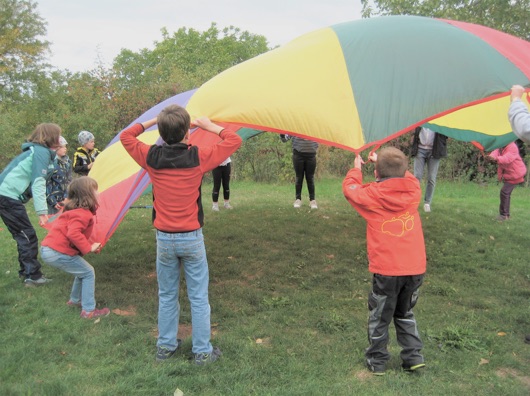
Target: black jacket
[(439, 147)]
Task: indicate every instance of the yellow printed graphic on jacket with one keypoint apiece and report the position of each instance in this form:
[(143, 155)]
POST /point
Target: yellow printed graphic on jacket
[(398, 226)]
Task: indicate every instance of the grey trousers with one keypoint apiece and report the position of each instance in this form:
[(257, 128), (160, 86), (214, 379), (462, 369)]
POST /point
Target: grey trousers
[(393, 297), (420, 160)]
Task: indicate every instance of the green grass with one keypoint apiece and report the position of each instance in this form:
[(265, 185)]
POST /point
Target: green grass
[(288, 294)]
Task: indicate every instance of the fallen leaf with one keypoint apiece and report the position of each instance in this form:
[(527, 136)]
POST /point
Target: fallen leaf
[(501, 333), (178, 392), (63, 353), (230, 257), (325, 217), (492, 237), (263, 341), (97, 320), (483, 361), (122, 312), (330, 256)]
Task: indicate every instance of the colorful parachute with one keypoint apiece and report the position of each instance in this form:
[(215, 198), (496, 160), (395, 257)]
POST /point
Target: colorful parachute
[(352, 85), (366, 81)]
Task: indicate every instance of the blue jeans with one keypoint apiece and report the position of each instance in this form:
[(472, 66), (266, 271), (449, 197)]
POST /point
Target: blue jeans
[(85, 277), (424, 157), (174, 250)]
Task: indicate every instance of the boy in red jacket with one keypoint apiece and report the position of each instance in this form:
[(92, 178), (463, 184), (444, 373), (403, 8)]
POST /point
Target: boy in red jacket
[(396, 254), (176, 170)]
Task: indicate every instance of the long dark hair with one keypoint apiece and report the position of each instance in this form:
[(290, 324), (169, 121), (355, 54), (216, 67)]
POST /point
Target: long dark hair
[(82, 193)]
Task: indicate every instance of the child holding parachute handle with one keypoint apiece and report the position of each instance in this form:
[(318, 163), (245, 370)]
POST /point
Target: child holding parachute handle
[(396, 253), (68, 240)]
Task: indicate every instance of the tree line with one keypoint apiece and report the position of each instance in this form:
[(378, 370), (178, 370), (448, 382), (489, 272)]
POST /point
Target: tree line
[(104, 100)]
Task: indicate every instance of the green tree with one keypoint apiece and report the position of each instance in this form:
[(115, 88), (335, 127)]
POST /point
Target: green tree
[(179, 62), (509, 16), (22, 49)]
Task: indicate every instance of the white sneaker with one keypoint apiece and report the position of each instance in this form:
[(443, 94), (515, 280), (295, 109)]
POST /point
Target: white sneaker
[(228, 206), (426, 208), (313, 204), (215, 207), (297, 203)]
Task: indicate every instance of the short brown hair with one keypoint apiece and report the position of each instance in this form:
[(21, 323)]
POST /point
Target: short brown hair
[(46, 134), (82, 193), (173, 124), (391, 162)]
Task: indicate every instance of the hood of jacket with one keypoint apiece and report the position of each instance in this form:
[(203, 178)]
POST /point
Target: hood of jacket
[(397, 194)]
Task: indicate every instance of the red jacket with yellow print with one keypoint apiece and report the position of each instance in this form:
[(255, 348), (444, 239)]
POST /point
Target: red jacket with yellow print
[(393, 232)]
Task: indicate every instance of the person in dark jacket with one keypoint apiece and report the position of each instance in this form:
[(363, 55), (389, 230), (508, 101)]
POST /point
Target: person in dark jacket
[(57, 185), (86, 154), (428, 148)]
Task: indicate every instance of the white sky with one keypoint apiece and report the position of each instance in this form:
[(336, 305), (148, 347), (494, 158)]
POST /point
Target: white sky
[(79, 30)]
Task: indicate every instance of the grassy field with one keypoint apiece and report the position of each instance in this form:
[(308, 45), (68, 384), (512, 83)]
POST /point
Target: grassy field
[(289, 304)]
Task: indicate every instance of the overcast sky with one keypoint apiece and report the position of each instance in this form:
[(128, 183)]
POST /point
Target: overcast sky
[(79, 30)]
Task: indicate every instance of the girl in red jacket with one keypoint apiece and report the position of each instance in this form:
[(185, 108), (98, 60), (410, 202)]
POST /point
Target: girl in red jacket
[(511, 169), (68, 241)]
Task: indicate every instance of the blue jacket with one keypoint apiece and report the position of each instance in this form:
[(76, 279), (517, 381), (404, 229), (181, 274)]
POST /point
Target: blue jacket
[(26, 175), (59, 180)]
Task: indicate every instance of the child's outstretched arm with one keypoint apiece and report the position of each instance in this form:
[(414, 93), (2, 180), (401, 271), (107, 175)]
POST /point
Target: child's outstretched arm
[(358, 162), (518, 114), (207, 125), (137, 149), (150, 123)]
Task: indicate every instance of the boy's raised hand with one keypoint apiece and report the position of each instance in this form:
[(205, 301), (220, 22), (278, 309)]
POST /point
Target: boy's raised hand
[(358, 162), (207, 125), (517, 92)]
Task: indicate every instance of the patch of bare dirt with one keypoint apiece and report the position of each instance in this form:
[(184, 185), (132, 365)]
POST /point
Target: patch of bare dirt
[(509, 372)]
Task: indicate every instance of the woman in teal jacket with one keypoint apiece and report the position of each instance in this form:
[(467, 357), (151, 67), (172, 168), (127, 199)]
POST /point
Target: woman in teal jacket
[(24, 178)]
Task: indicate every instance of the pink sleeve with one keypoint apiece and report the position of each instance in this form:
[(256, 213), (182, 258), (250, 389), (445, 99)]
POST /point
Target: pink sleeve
[(510, 154)]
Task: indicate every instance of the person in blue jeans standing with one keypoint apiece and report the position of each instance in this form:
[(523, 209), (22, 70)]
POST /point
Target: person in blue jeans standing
[(428, 148), (176, 170)]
